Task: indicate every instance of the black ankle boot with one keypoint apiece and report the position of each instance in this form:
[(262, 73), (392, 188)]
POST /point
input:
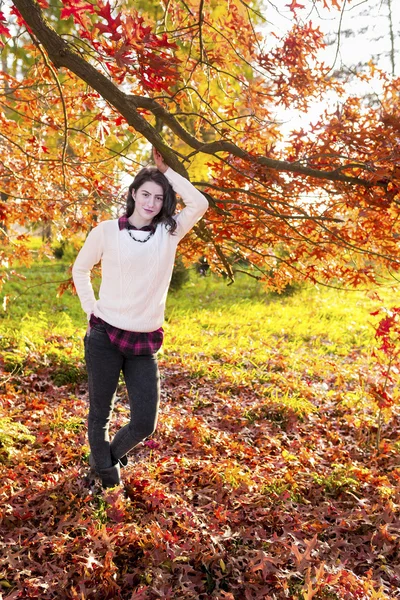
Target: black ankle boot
[(110, 476)]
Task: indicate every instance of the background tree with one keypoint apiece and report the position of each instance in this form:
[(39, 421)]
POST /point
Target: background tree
[(206, 83)]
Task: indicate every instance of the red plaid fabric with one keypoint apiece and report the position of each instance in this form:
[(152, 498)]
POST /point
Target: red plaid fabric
[(131, 342), (123, 223)]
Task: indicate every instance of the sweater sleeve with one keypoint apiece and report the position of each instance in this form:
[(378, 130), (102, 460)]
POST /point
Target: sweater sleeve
[(89, 255), (195, 203)]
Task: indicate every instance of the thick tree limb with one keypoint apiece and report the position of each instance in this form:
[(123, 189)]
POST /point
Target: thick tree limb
[(226, 146), (62, 54)]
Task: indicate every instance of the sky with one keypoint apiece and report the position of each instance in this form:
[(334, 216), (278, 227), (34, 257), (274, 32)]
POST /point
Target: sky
[(364, 27)]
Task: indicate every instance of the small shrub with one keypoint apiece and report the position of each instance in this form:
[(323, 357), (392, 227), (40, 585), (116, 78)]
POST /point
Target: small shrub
[(13, 362), (180, 275), (66, 372), (63, 250), (12, 435), (338, 481), (59, 249)]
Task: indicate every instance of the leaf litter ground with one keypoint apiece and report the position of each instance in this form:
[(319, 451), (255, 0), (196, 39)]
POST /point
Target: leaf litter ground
[(258, 483)]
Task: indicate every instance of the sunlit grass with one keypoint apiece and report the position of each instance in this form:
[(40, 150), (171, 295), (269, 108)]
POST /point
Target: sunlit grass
[(36, 289), (242, 332), (239, 332)]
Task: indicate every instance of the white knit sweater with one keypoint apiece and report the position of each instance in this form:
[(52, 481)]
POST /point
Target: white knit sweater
[(135, 276)]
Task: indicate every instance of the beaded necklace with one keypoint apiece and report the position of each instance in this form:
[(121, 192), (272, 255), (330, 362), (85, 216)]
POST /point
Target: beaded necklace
[(141, 241)]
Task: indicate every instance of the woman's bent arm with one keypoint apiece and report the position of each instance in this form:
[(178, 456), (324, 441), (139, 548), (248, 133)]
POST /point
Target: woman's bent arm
[(89, 255), (195, 203)]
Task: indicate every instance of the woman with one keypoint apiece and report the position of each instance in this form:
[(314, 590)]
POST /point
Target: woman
[(124, 333)]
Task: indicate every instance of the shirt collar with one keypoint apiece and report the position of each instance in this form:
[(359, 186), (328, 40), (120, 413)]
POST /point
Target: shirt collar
[(123, 223)]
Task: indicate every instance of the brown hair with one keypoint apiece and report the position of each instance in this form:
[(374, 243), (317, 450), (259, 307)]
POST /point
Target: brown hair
[(169, 197)]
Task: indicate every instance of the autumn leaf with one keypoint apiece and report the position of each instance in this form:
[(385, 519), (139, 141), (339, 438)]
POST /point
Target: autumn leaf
[(3, 29), (294, 5), (75, 8)]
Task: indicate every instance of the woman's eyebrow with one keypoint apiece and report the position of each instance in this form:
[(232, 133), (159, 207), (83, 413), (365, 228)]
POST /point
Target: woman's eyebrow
[(157, 196)]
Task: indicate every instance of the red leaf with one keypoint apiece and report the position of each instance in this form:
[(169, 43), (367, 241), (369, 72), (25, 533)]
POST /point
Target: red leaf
[(20, 21), (294, 5), (74, 8), (4, 30), (112, 24)]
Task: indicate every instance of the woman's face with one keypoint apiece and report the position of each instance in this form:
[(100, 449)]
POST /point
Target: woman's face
[(148, 203)]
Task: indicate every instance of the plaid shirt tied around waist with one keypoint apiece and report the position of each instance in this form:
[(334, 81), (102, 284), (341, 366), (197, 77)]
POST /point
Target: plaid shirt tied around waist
[(131, 342)]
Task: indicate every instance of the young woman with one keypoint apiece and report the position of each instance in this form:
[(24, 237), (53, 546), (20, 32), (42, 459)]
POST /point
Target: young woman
[(137, 254)]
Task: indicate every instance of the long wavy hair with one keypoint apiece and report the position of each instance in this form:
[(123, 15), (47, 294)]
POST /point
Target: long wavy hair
[(169, 197)]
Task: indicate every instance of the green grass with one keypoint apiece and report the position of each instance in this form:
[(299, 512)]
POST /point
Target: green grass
[(36, 290), (239, 330), (246, 317), (250, 334)]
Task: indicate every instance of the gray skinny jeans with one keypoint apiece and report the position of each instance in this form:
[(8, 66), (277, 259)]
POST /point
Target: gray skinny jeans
[(104, 363)]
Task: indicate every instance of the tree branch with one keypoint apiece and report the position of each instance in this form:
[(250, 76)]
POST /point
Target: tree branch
[(272, 213), (65, 140), (62, 54)]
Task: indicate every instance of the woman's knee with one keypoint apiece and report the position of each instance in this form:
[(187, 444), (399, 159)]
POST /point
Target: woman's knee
[(99, 420)]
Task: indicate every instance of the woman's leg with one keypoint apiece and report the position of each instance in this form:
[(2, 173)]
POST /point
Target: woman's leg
[(104, 364), (143, 385)]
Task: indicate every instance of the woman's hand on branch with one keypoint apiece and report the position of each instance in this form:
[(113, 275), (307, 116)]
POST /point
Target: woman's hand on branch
[(159, 161)]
